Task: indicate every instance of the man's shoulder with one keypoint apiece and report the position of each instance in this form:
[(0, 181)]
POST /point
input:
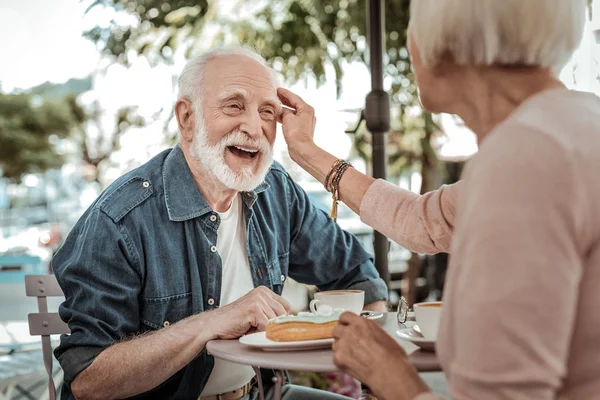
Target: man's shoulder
[(133, 188), (278, 176), (277, 169)]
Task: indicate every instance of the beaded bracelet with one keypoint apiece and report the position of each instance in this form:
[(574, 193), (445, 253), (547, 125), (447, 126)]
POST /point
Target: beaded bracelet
[(332, 183), (333, 168)]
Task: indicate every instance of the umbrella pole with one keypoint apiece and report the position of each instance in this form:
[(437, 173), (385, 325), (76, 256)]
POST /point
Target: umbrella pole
[(377, 115)]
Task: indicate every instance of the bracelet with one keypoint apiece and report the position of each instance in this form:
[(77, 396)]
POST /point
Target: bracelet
[(338, 176), (333, 168), (334, 187)]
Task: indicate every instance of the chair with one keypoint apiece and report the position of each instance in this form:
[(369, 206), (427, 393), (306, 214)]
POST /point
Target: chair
[(44, 323)]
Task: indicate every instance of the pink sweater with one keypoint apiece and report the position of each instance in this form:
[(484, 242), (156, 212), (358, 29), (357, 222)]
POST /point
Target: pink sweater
[(522, 297)]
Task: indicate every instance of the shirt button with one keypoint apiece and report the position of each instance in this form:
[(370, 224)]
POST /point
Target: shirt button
[(166, 323), (211, 301), (213, 218), (282, 278), (146, 184), (213, 249)]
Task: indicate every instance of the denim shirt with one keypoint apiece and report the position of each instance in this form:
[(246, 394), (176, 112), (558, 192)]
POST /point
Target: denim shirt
[(143, 256)]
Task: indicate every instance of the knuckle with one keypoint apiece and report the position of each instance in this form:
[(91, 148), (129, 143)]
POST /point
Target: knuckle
[(254, 308), (339, 360)]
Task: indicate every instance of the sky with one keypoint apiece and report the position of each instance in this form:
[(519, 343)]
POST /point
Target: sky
[(40, 40)]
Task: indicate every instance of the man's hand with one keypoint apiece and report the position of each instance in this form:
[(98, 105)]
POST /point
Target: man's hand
[(254, 310)]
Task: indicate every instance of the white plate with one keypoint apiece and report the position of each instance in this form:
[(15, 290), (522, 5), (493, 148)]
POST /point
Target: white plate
[(260, 340), (416, 338)]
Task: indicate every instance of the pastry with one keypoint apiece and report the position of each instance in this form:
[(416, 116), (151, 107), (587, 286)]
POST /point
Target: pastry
[(306, 326)]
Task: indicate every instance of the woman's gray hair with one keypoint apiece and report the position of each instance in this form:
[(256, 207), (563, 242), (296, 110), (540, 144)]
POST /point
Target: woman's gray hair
[(192, 76), (542, 33)]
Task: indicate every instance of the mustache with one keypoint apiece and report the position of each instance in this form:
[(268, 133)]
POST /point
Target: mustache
[(239, 138)]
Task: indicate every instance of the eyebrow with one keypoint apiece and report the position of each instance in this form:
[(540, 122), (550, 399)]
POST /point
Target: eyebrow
[(229, 94)]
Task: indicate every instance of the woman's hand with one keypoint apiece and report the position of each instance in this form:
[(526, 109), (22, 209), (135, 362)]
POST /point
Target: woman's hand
[(298, 122), (368, 353)]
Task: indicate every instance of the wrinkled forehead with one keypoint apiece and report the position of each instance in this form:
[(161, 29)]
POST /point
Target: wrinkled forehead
[(241, 75)]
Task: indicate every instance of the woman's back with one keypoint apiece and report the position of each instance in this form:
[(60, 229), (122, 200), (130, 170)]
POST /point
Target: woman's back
[(522, 294)]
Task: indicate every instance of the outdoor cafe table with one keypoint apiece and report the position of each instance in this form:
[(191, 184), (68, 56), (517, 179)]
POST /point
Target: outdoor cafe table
[(310, 360)]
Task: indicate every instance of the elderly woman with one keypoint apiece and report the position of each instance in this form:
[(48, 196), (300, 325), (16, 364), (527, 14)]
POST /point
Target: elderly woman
[(520, 317)]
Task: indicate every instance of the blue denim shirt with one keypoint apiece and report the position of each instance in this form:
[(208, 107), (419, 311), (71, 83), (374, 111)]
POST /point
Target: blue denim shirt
[(140, 258)]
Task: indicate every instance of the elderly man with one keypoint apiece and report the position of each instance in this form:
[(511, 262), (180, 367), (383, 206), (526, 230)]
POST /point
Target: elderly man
[(196, 245)]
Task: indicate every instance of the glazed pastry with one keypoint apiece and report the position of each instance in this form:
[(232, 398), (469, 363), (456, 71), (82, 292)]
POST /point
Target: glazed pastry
[(306, 326)]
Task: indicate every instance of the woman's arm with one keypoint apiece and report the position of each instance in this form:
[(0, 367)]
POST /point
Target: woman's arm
[(420, 223)]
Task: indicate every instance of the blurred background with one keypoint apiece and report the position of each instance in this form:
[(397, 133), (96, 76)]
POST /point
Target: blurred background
[(87, 91)]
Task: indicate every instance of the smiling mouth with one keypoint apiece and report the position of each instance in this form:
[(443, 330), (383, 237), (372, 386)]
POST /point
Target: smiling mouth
[(243, 152)]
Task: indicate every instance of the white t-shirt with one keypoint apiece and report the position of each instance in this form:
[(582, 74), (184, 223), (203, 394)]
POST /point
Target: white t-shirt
[(236, 281)]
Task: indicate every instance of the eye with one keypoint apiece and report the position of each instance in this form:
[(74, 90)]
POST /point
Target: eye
[(268, 112), (234, 106)]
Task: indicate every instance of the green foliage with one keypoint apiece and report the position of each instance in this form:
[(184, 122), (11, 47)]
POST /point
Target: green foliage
[(27, 130), (300, 38), (157, 28)]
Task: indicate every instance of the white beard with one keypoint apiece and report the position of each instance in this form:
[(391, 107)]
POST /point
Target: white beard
[(212, 159)]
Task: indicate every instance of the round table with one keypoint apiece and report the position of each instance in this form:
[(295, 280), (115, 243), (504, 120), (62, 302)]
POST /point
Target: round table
[(310, 360)]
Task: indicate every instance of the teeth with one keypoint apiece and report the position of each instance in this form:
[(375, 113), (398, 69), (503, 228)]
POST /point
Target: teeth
[(246, 149)]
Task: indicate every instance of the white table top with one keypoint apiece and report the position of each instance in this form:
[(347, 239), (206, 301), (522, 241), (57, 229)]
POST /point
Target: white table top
[(312, 360)]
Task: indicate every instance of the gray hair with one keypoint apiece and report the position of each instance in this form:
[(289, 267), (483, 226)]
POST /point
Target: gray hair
[(542, 33), (192, 77)]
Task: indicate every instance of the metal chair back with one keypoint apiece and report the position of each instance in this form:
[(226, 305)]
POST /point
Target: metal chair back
[(44, 323)]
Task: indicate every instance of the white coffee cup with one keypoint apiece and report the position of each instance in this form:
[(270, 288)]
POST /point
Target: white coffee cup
[(334, 300), (428, 317)]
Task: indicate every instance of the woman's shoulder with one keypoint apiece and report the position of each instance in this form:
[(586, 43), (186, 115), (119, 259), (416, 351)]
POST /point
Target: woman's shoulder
[(568, 117), (555, 124)]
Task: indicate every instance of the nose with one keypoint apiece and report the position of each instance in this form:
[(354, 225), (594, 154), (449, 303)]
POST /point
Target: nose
[(252, 125)]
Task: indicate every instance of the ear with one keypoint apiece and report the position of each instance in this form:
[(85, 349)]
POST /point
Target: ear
[(186, 120)]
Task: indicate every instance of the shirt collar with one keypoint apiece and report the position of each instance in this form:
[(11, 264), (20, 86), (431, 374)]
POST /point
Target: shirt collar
[(183, 198)]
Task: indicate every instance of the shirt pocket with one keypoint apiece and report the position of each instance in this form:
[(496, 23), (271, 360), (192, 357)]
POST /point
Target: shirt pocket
[(159, 312), (278, 272)]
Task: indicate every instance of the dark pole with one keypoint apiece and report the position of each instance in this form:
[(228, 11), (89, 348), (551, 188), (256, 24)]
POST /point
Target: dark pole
[(377, 115)]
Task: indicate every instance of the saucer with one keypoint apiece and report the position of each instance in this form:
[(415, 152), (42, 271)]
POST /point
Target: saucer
[(371, 314), (411, 335)]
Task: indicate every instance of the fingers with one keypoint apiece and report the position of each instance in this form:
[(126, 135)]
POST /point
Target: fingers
[(287, 306), (278, 307), (348, 318), (343, 352), (268, 309), (294, 101), (278, 302), (261, 322), (288, 98), (266, 305)]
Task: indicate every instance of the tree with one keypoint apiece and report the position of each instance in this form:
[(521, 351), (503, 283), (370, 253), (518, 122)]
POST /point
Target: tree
[(96, 142), (299, 37), (29, 127)]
